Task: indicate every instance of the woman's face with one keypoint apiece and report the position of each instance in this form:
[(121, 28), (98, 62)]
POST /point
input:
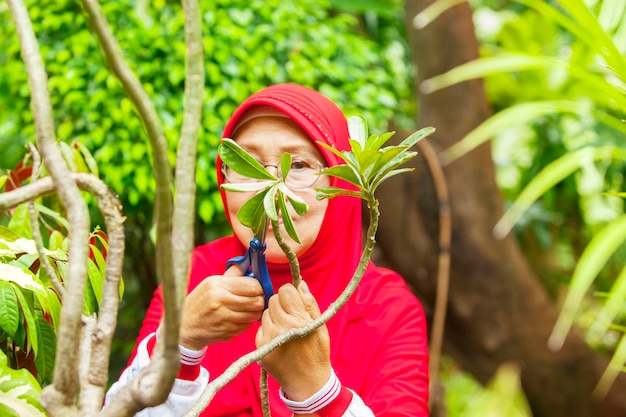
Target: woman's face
[(266, 139)]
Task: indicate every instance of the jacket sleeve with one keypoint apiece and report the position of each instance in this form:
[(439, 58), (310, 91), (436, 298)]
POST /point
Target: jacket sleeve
[(183, 395), (184, 392), (397, 380)]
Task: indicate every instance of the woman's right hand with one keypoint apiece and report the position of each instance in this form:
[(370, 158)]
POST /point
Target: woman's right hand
[(220, 308)]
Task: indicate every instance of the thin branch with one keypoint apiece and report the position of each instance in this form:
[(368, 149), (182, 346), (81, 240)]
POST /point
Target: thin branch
[(265, 399), (294, 265), (152, 387), (62, 392), (34, 225), (185, 185), (443, 270), (240, 364)]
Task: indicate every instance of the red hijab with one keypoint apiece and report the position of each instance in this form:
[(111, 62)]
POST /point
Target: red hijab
[(338, 246)]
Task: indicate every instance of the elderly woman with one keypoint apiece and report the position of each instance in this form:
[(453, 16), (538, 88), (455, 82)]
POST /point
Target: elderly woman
[(371, 359)]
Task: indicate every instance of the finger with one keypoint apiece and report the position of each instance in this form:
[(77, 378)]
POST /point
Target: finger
[(246, 303), (310, 303), (244, 317), (244, 286), (233, 271), (290, 300)]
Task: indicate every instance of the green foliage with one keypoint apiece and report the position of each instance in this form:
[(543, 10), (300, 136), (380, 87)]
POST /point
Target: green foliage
[(503, 396), (30, 307), (292, 41), (583, 91), (19, 392)]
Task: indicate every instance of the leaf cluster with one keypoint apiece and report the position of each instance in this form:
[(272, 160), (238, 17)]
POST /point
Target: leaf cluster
[(271, 193), (368, 163)]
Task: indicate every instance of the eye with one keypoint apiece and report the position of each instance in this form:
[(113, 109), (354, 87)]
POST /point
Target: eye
[(300, 164)]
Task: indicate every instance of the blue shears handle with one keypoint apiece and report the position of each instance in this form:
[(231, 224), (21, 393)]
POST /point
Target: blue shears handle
[(253, 265)]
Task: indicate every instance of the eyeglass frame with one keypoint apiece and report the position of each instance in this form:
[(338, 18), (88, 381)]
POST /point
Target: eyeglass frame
[(320, 165)]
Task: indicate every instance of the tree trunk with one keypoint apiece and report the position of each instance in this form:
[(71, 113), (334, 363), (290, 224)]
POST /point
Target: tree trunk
[(498, 310)]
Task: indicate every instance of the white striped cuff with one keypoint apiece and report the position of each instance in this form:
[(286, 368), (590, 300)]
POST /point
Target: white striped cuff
[(317, 401), (187, 356)]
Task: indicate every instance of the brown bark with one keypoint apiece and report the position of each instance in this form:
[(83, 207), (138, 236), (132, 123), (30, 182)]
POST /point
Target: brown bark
[(498, 310)]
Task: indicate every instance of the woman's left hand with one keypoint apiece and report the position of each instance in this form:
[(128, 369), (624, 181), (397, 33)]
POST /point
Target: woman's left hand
[(300, 366)]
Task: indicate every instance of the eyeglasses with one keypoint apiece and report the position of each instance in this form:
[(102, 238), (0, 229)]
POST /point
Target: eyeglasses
[(303, 173)]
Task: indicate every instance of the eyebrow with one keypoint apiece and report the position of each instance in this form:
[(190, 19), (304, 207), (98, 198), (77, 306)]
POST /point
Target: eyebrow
[(300, 150)]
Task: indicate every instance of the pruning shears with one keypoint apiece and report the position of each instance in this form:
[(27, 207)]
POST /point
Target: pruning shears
[(253, 264)]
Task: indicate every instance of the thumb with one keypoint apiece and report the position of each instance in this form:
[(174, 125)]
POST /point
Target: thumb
[(310, 303)]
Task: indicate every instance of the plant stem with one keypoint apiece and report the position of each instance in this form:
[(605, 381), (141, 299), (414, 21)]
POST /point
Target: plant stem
[(294, 265), (34, 226), (265, 401)]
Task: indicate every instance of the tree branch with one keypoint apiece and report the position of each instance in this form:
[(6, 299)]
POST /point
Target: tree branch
[(154, 384), (34, 225), (185, 183), (62, 392), (443, 269)]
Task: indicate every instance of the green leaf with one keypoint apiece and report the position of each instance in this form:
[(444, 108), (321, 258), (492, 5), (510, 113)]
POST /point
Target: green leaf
[(344, 172), (19, 391), (296, 202), (415, 137), (20, 276), (44, 361), (68, 156), (90, 303), (356, 147), (90, 161), (56, 240), (332, 192), (239, 160), (269, 203), (357, 130), (601, 247), (285, 164), (248, 187), (288, 221), (3, 180), (376, 141), (389, 174), (7, 234), (387, 171), (332, 150), (548, 177), (26, 306), (53, 214), (96, 278), (20, 222), (512, 116), (9, 309), (616, 366), (251, 210), (611, 308), (482, 67)]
